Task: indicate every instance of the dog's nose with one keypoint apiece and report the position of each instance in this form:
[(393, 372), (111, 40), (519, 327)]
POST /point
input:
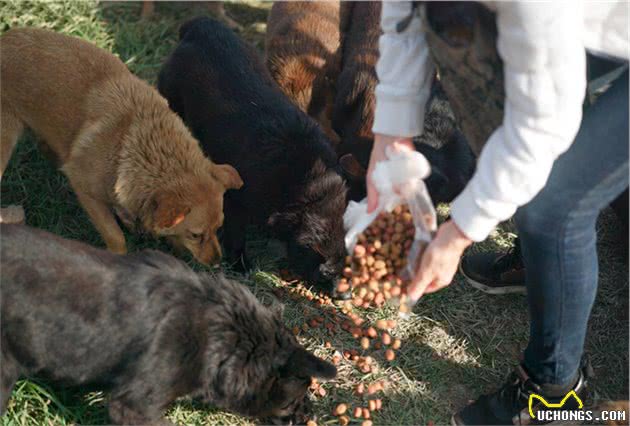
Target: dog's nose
[(208, 258), (210, 253)]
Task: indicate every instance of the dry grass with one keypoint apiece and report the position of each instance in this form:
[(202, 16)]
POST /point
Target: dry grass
[(457, 344)]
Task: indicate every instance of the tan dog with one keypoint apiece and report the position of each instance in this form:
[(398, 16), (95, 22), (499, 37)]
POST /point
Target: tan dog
[(116, 139), (302, 52)]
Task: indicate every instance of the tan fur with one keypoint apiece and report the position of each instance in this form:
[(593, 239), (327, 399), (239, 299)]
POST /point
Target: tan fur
[(118, 142), (303, 55)]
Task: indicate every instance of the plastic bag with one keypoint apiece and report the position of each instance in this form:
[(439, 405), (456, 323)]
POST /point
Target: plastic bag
[(400, 181)]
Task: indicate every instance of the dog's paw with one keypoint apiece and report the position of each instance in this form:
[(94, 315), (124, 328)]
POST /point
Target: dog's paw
[(12, 214)]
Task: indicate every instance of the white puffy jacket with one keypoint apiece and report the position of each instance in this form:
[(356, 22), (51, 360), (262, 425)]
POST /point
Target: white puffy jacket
[(542, 46)]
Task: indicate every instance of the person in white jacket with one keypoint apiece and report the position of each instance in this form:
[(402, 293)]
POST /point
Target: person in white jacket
[(547, 163)]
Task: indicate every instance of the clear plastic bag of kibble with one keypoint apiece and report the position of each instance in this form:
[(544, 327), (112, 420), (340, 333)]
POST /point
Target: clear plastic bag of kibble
[(399, 181)]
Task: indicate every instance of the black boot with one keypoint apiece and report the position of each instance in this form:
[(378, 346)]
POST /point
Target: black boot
[(510, 405), (495, 273)]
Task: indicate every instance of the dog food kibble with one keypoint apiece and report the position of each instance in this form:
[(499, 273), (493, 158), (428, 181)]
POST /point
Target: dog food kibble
[(386, 338), (359, 251), (374, 280), (390, 355), (378, 257), (340, 409), (357, 320), (360, 389), (365, 343), (343, 286)]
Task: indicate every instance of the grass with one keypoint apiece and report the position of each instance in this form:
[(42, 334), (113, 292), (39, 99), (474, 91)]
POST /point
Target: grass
[(457, 344)]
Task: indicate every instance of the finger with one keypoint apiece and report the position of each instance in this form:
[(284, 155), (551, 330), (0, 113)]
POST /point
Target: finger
[(435, 286), (418, 286), (372, 195)]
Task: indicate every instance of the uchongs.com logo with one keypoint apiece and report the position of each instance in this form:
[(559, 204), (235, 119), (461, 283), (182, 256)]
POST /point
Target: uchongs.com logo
[(556, 412)]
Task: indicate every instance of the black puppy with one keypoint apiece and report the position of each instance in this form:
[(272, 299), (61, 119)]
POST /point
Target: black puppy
[(442, 143), (145, 326), (220, 87), (446, 148)]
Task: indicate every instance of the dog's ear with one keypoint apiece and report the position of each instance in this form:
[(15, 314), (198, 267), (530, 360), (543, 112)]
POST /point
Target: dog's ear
[(304, 364), (351, 167), (227, 175), (168, 211)]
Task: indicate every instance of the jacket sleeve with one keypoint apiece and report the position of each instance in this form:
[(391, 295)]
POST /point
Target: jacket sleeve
[(545, 82), (405, 74)]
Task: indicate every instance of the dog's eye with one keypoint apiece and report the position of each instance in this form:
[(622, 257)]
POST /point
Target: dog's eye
[(195, 236)]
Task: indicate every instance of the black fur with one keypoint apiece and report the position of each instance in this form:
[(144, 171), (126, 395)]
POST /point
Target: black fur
[(145, 326), (443, 144), (220, 87)]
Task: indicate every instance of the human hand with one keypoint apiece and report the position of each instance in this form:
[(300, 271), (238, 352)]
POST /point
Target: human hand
[(381, 142), (439, 261)]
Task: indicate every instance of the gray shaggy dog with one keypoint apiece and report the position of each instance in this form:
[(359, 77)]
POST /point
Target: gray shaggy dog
[(146, 327)]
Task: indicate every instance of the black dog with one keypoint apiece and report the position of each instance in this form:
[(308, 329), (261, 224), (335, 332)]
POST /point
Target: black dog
[(145, 326), (221, 88), (442, 143), (446, 148)]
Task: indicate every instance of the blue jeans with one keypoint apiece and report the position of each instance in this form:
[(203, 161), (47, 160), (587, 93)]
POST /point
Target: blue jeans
[(558, 241)]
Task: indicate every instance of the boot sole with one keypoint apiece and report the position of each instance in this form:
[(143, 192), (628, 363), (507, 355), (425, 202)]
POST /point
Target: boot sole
[(514, 289)]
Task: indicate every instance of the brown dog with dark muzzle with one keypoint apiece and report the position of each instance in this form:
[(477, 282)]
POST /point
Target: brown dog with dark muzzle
[(116, 140)]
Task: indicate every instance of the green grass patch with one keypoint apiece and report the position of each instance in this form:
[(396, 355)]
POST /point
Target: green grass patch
[(457, 344)]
